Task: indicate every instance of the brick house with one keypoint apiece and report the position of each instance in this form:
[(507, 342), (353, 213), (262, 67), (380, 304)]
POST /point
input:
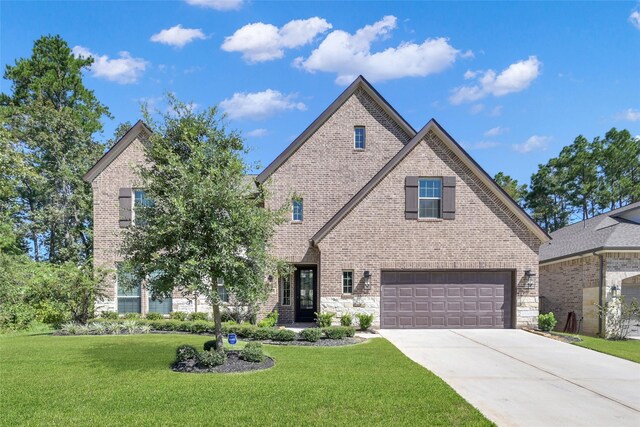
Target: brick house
[(385, 220), (589, 263)]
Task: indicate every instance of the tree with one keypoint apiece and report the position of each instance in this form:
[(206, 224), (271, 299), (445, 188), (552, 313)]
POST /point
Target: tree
[(121, 129), (51, 117), (510, 185), (546, 199), (206, 222), (579, 176)]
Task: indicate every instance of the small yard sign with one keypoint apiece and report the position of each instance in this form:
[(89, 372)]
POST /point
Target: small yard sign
[(232, 339)]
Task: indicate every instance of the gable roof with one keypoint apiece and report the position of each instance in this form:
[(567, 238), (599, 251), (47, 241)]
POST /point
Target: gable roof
[(614, 230), (359, 82), (462, 154), (116, 150)]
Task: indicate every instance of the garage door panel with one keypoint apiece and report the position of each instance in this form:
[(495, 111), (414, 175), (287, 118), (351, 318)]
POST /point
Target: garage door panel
[(446, 299)]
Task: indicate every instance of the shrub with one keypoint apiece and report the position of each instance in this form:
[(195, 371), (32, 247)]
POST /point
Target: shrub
[(283, 335), (311, 334), (270, 321), (350, 331), (200, 326), (97, 328), (130, 326), (186, 352), (338, 332), (109, 315), (245, 331), (178, 315), (252, 352), (346, 319), (132, 316), (154, 316), (211, 345), (546, 322), (261, 333), (113, 328), (365, 320), (70, 328), (324, 319), (198, 315), (211, 359)]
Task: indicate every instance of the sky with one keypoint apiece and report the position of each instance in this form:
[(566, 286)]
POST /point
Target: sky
[(512, 82)]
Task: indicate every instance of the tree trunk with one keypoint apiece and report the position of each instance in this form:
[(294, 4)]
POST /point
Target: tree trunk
[(217, 318)]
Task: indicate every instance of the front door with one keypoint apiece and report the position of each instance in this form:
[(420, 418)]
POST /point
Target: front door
[(306, 290)]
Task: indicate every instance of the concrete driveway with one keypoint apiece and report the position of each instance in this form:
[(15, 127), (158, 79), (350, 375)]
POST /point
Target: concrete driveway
[(516, 378)]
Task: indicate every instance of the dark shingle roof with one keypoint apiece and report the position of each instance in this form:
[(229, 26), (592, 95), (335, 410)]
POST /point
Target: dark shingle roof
[(617, 229)]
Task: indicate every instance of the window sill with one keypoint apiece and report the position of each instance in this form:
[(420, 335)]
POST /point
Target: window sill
[(430, 219), (296, 222), (359, 150), (347, 296)]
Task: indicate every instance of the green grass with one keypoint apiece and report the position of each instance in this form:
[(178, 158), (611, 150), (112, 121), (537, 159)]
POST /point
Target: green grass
[(627, 349), (126, 380)]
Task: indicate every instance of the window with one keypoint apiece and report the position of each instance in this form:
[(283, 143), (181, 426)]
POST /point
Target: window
[(297, 210), (285, 283), (429, 197), (128, 291), (140, 201), (162, 306), (347, 282), (222, 291), (359, 138)]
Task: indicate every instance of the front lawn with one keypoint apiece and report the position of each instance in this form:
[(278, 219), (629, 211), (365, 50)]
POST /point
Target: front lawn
[(126, 380), (627, 349)]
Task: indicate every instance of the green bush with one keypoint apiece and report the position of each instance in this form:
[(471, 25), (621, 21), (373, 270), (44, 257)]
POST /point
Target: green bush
[(109, 315), (211, 345), (178, 315), (283, 335), (270, 321), (338, 332), (324, 319), (198, 315), (346, 320), (365, 320), (211, 359), (186, 352), (154, 316), (546, 322), (245, 330), (311, 334), (132, 316), (252, 352), (261, 334), (200, 326)]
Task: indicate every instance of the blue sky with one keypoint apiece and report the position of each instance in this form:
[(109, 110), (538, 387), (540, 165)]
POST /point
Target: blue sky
[(512, 82)]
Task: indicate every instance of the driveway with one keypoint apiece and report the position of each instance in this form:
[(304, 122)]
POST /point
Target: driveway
[(516, 378)]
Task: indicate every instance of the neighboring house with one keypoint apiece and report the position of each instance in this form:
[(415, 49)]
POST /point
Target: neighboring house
[(384, 220), (590, 262)]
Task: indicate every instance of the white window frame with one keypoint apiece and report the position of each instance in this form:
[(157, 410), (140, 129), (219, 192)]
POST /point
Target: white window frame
[(133, 203), (293, 210), (355, 138), (343, 278), (220, 283), (430, 198), (282, 284), (126, 297)]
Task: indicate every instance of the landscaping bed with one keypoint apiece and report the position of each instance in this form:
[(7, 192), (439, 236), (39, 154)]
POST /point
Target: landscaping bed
[(233, 364)]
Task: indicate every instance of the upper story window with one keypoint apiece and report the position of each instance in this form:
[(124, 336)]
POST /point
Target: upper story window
[(347, 282), (297, 210), (359, 138), (429, 198), (140, 200), (222, 291)]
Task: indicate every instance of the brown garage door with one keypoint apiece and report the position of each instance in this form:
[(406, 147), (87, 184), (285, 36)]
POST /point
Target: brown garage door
[(446, 299)]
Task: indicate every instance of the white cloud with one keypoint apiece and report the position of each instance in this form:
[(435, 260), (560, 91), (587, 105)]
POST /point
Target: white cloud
[(257, 133), (349, 55), (630, 115), (477, 109), (534, 143), (125, 69), (217, 4), (495, 111), (261, 42), (515, 78), (483, 145), (259, 105), (178, 36), (634, 18), (496, 131)]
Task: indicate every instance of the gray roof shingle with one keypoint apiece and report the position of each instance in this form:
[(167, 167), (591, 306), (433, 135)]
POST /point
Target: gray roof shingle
[(610, 230)]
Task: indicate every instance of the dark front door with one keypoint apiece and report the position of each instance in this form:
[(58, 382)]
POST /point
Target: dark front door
[(306, 294)]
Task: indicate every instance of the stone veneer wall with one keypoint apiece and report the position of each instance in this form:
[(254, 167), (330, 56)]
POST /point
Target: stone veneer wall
[(375, 236)]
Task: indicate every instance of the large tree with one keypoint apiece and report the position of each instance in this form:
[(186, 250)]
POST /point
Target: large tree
[(516, 191), (52, 117), (579, 176), (206, 221)]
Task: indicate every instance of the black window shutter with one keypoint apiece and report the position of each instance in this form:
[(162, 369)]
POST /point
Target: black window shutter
[(411, 197), (125, 207), (449, 197)]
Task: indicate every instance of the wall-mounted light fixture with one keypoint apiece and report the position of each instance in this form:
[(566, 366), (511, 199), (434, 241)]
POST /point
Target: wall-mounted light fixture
[(529, 275), (614, 291), (270, 278), (367, 280)]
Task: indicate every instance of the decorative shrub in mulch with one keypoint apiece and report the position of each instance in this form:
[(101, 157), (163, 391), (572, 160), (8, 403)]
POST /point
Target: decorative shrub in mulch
[(250, 358), (232, 364)]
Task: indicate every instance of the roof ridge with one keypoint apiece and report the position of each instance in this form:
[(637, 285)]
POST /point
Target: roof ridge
[(609, 214)]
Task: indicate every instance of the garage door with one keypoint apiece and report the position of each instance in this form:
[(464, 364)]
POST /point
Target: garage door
[(446, 299)]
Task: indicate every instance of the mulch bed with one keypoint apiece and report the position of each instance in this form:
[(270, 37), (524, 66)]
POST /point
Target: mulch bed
[(322, 342), (554, 336), (233, 364)]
